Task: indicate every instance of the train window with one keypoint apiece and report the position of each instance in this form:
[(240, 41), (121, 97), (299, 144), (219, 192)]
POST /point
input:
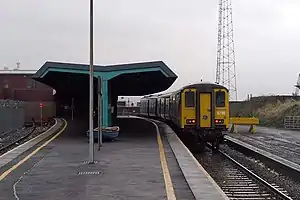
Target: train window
[(220, 99), (189, 99)]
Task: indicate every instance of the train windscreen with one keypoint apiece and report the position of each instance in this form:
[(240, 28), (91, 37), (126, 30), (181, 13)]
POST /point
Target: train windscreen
[(189, 99), (220, 99)]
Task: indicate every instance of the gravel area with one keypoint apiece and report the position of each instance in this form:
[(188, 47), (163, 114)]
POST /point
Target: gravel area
[(11, 139), (11, 136), (271, 176), (4, 134), (279, 146), (234, 182)]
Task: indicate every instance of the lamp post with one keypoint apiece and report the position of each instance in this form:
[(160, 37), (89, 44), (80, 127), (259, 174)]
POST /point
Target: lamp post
[(91, 125)]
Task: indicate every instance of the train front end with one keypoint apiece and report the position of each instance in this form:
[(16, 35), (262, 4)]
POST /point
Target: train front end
[(205, 112)]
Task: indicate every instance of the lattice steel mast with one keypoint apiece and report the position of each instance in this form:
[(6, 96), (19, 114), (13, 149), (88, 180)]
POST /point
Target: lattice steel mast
[(225, 74), (297, 86)]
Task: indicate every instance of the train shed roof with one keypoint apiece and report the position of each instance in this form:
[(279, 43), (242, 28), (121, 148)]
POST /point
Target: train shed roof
[(133, 79)]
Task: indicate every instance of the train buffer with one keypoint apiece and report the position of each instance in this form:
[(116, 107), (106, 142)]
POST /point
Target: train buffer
[(251, 121)]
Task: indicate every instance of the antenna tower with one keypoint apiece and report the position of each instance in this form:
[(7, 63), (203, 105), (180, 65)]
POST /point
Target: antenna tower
[(225, 74), (297, 86)]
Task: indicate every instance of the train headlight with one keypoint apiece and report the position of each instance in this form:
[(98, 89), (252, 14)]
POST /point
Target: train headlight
[(219, 121), (190, 121)]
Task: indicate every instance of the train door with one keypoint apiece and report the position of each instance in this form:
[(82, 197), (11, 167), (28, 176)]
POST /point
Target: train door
[(205, 110)]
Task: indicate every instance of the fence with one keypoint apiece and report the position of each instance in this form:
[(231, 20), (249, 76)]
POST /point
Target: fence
[(11, 115), (291, 122)]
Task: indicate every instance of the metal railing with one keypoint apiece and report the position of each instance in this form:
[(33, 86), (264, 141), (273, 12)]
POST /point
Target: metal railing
[(291, 122)]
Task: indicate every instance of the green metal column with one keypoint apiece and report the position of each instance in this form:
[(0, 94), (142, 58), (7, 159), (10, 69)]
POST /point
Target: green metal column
[(109, 104), (105, 103), (114, 103)]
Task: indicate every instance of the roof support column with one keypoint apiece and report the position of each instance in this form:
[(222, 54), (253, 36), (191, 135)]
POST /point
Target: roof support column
[(110, 104), (105, 103)]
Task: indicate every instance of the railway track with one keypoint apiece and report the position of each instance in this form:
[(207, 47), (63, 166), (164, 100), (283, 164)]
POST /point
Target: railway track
[(278, 160), (237, 181), (12, 139), (285, 149)]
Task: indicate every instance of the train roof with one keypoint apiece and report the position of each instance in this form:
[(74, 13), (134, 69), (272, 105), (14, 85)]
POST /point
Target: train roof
[(150, 96), (165, 94), (197, 86), (204, 85), (201, 85)]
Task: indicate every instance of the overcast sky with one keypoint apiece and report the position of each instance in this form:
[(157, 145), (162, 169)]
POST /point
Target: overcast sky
[(183, 34)]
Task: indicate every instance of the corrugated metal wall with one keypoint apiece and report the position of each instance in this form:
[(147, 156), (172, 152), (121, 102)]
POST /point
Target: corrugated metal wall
[(11, 115)]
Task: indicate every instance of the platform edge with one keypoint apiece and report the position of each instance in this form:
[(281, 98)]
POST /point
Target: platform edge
[(56, 134), (269, 155), (27, 145), (194, 188)]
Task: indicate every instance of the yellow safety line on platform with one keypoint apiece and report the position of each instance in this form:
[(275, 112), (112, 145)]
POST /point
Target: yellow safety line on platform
[(164, 165), (32, 153)]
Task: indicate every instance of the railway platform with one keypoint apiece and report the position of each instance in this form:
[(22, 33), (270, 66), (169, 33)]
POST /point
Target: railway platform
[(283, 134), (147, 161), (279, 145)]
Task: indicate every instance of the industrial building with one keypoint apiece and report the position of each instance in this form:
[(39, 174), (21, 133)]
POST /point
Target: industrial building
[(18, 85)]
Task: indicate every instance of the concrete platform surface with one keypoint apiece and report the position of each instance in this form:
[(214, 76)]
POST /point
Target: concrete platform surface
[(129, 168)]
